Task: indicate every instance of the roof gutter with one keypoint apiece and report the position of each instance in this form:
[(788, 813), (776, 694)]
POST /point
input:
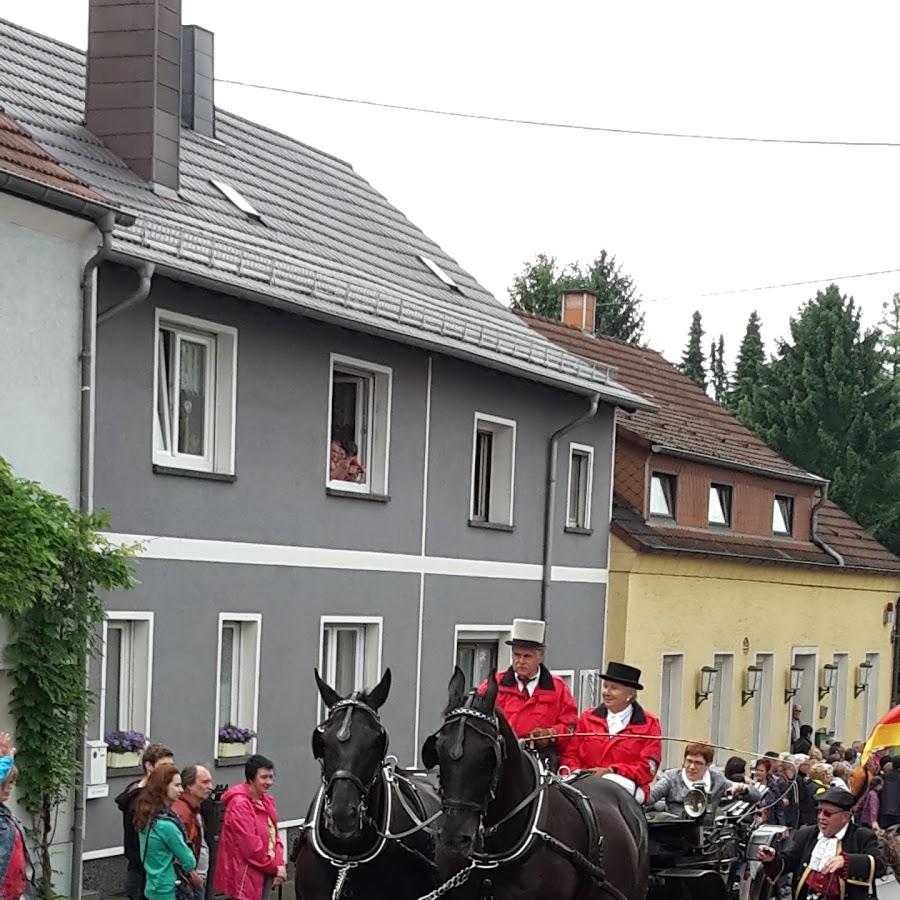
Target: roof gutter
[(615, 394), (823, 496), (550, 497), (61, 200), (738, 466)]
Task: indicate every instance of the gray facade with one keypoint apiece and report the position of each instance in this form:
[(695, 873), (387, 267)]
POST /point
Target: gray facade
[(277, 499)]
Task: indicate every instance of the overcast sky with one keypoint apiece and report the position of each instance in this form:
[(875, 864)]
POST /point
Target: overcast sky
[(684, 217)]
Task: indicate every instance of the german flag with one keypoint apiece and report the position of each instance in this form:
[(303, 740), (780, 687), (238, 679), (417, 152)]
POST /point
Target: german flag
[(886, 733)]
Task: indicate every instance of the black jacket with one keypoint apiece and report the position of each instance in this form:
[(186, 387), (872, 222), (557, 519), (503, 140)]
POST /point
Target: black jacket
[(126, 801), (801, 745), (865, 862)]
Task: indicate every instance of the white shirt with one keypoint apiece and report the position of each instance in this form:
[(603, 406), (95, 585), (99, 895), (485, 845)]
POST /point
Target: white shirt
[(617, 722), (825, 849), (531, 684), (706, 781)]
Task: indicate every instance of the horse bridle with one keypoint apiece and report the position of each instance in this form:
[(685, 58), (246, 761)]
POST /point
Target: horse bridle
[(343, 735), (466, 717)]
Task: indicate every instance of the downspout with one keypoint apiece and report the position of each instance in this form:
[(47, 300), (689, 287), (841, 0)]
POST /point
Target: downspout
[(550, 497), (86, 503), (823, 496), (140, 293)]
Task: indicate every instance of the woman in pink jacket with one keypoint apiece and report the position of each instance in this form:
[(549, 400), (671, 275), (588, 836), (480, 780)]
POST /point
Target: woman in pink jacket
[(250, 859)]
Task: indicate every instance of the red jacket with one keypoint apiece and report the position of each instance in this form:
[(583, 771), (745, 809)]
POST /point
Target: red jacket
[(636, 758), (243, 860), (550, 706)]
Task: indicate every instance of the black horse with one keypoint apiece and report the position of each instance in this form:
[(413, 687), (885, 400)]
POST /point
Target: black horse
[(512, 831), (363, 836)]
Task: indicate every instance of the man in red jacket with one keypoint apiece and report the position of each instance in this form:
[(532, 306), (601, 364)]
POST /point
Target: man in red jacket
[(624, 744), (536, 704)]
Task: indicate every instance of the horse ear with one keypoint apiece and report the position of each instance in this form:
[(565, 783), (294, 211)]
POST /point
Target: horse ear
[(456, 689), (490, 695), (376, 697), (318, 745), (328, 694), (429, 752)]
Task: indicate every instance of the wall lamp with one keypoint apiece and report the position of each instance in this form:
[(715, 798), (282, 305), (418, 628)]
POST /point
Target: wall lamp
[(829, 674), (862, 678), (754, 682), (795, 680), (708, 676)]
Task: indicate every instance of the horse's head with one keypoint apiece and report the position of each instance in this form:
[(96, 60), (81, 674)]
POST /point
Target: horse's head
[(350, 746), (469, 748)]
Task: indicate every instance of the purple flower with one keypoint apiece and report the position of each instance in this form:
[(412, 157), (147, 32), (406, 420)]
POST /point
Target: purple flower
[(234, 734), (125, 741)]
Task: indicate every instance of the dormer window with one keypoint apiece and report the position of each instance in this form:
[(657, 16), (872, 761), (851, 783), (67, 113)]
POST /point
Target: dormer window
[(720, 505), (783, 515), (662, 495)]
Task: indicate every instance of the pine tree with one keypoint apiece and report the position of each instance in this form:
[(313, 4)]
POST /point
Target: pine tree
[(890, 336), (717, 370), (537, 289), (692, 361), (749, 371), (829, 407)]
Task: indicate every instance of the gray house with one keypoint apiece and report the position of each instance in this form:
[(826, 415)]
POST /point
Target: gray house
[(330, 440)]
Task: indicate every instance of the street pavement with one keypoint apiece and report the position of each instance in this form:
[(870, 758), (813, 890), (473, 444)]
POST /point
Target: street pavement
[(888, 890)]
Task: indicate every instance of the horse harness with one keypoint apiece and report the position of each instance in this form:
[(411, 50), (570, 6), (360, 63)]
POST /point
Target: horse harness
[(392, 782), (534, 835)]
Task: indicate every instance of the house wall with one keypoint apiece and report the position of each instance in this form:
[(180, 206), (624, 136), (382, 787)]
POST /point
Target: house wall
[(414, 560), (42, 253), (700, 608)]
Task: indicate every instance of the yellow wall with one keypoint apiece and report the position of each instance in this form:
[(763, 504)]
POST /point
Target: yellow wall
[(661, 604)]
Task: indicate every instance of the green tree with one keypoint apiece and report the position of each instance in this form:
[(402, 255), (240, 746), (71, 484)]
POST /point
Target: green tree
[(890, 331), (827, 405), (749, 371), (537, 289), (52, 563), (692, 362), (718, 375)]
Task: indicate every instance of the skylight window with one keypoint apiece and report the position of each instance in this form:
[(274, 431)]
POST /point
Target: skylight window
[(437, 271), (230, 194)]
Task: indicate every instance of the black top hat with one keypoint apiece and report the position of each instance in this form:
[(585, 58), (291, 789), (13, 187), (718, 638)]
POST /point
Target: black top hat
[(838, 797), (622, 674)]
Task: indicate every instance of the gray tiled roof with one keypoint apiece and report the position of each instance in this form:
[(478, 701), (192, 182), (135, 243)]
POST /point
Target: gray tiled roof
[(328, 244)]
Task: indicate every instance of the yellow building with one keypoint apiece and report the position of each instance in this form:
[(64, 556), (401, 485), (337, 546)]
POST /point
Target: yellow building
[(735, 585)]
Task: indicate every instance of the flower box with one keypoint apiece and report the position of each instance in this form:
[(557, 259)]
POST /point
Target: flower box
[(125, 760), (232, 748)]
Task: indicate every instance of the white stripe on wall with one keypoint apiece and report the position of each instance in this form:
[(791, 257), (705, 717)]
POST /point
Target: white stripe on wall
[(243, 553), (88, 855)]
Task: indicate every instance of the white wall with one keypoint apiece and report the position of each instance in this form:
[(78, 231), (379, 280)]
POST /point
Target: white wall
[(42, 253)]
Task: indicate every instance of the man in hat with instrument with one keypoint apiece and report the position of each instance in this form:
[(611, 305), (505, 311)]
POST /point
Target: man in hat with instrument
[(619, 739), (538, 706), (833, 858)]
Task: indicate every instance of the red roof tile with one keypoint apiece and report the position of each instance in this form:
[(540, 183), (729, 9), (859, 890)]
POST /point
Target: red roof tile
[(20, 155), (688, 420)]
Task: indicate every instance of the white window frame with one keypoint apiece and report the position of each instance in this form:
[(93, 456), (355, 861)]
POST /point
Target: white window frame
[(245, 662), (762, 702), (776, 507), (141, 666), (221, 394), (493, 633), (670, 708), (378, 412), (503, 456), (368, 671), (716, 497), (671, 514), (568, 676), (838, 696), (870, 695), (588, 451)]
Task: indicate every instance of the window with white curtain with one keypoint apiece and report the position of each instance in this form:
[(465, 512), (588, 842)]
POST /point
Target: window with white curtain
[(783, 515), (720, 505), (127, 672), (581, 476), (350, 653), (662, 495), (238, 666), (493, 470), (194, 394)]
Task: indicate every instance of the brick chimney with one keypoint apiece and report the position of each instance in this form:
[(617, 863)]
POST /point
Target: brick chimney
[(198, 108), (579, 308), (133, 99)]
